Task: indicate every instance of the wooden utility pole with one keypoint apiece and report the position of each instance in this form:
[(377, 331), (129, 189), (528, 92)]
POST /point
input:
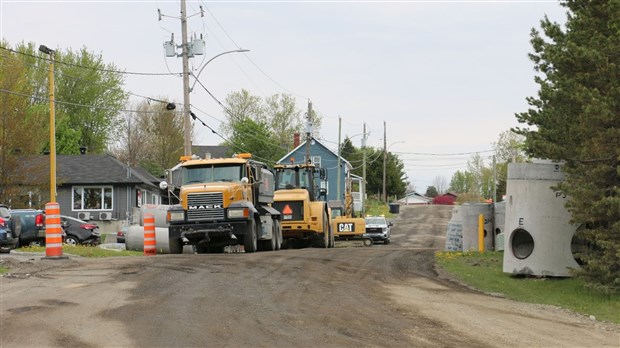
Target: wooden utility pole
[(384, 162), (187, 125), (364, 172), (339, 156), (308, 133)]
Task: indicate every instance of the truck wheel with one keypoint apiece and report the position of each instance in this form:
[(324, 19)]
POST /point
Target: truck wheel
[(274, 237), (250, 239), (278, 234)]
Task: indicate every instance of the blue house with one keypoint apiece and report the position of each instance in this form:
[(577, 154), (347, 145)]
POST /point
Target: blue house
[(323, 157)]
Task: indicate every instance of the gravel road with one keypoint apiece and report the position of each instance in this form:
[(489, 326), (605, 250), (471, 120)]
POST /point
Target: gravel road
[(382, 296)]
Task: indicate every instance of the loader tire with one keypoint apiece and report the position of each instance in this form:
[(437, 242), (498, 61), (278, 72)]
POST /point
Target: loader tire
[(324, 241), (278, 234), (250, 239)]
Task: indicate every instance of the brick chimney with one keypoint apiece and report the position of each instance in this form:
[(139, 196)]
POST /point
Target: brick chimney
[(296, 140)]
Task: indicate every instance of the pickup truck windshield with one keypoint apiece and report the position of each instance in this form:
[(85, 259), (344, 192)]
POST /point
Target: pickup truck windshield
[(375, 221), (212, 173)]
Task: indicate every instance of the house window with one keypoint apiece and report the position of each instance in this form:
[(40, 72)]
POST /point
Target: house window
[(141, 195), (92, 197), (316, 160)]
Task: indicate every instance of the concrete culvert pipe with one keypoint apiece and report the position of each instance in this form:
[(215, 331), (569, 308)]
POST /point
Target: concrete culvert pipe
[(134, 240), (541, 232)]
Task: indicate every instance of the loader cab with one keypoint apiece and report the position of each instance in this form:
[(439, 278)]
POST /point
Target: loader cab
[(306, 177)]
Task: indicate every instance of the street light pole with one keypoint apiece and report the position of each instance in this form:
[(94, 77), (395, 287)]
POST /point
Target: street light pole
[(209, 61), (51, 52)]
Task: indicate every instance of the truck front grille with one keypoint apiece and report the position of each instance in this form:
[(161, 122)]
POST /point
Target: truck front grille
[(205, 206)]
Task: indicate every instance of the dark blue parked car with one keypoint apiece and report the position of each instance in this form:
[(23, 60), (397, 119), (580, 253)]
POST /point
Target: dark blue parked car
[(10, 228)]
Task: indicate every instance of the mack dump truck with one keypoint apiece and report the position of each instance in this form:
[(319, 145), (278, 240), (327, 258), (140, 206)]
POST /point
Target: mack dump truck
[(305, 217), (224, 203)]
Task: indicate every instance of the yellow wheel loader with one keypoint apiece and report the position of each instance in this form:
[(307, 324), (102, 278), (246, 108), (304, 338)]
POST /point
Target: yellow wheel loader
[(305, 217)]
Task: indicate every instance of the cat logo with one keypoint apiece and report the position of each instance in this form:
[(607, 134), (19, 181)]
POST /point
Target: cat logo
[(346, 227)]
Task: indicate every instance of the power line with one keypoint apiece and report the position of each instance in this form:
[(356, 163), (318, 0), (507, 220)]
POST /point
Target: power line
[(76, 104), (91, 68), (442, 154), (249, 59)]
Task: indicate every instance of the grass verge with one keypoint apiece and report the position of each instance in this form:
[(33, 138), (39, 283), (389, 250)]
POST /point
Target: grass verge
[(86, 251), (377, 208), (483, 271)]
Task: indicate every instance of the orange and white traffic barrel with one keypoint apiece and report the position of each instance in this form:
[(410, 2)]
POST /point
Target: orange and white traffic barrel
[(150, 244), (53, 231)]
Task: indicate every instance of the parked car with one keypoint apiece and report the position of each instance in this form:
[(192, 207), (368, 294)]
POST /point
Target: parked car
[(32, 226), (378, 228), (79, 231), (120, 235), (10, 228)]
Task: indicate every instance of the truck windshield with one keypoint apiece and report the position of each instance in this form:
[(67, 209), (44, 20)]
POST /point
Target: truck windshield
[(212, 173)]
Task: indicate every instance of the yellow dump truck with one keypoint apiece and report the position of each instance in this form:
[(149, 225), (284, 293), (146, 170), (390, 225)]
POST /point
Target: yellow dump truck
[(224, 202)]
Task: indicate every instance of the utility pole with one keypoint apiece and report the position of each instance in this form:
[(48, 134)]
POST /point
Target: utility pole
[(339, 155), (187, 126), (188, 50), (364, 172), (384, 161), (308, 133), (494, 181), (52, 54)]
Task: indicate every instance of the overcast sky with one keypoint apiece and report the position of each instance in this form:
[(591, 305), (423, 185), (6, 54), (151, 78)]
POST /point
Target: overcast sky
[(445, 76)]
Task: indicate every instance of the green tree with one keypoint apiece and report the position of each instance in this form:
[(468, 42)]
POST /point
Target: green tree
[(24, 129), (284, 119), (276, 119), (241, 106), (347, 150), (510, 147), (461, 182), (90, 97), (256, 138), (575, 119), (431, 191)]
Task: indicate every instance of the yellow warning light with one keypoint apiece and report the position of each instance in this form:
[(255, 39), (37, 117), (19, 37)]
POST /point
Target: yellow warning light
[(185, 158), (244, 155)]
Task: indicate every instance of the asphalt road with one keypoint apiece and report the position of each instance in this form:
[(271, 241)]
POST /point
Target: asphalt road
[(382, 296)]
